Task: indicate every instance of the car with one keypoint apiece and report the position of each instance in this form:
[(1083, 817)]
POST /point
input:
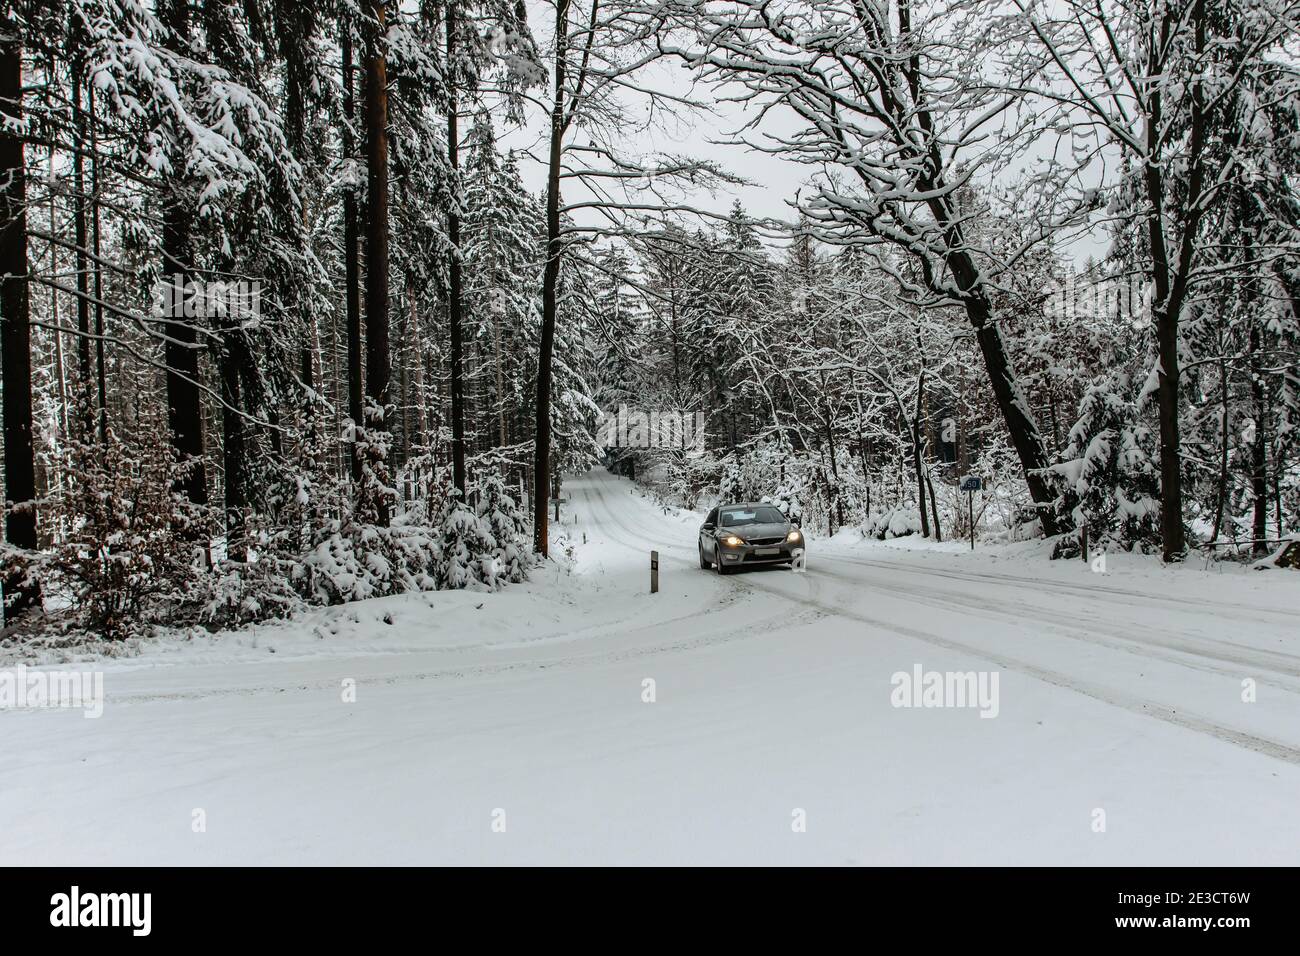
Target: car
[(748, 534)]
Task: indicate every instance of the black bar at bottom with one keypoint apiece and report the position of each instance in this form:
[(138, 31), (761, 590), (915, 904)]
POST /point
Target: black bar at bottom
[(335, 906)]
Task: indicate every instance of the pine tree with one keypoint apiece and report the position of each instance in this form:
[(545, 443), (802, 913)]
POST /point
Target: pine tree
[(1111, 473), (509, 529), (466, 547)]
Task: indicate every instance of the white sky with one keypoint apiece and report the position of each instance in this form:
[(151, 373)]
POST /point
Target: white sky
[(775, 181)]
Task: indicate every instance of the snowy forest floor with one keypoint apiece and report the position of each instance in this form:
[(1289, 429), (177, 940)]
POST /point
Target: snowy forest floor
[(1119, 693)]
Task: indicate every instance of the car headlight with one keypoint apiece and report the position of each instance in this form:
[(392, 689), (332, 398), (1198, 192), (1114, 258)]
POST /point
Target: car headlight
[(731, 541), (793, 536)]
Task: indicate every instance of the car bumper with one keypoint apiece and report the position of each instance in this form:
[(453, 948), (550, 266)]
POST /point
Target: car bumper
[(748, 555)]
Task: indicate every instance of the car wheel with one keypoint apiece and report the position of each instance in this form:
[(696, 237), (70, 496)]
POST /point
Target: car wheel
[(705, 564), (722, 568)]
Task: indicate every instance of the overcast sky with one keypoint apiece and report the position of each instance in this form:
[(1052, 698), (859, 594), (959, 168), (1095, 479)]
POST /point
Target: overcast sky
[(774, 181)]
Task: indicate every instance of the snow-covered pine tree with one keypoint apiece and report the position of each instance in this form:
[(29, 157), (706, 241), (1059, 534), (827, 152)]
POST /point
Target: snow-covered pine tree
[(1111, 474), (466, 547), (500, 242), (508, 526)]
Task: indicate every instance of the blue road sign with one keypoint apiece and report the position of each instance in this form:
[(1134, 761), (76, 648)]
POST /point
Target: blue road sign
[(970, 483)]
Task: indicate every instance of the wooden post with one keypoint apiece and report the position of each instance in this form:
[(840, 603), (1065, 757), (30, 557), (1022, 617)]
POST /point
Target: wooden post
[(1083, 541), (654, 572), (970, 501)]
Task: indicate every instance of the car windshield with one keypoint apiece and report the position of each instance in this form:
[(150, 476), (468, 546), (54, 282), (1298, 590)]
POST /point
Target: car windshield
[(735, 517)]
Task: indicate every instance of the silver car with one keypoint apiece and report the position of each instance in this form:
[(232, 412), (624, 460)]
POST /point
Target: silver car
[(747, 534)]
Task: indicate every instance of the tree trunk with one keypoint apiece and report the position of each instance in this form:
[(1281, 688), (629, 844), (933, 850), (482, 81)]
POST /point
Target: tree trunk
[(417, 389), (336, 394), (550, 284), (351, 264), (1258, 449), (233, 454), (919, 468), (828, 495), (499, 362), (181, 351), (1171, 477), (830, 447), (1277, 495), (934, 507), (15, 317), (1021, 427), (86, 412), (454, 271), (101, 374), (1170, 278), (1056, 420), (378, 365), (60, 363), (1222, 491)]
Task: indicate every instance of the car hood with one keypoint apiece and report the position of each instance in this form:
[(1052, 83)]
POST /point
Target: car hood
[(751, 531)]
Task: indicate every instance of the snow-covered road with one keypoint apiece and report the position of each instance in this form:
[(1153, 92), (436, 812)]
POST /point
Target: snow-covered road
[(515, 728)]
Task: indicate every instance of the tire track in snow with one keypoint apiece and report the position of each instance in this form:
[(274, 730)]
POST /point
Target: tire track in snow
[(1177, 649), (1129, 702), (1115, 698), (1140, 599)]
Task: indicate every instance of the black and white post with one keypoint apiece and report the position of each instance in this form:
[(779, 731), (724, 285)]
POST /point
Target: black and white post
[(971, 484)]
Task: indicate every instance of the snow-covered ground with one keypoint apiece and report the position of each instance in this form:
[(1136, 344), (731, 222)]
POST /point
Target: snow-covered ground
[(515, 727)]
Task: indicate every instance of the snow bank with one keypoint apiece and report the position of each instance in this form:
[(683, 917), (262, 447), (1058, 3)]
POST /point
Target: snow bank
[(897, 522)]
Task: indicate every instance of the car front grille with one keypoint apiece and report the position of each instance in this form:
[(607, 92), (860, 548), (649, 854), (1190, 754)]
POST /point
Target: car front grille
[(766, 542)]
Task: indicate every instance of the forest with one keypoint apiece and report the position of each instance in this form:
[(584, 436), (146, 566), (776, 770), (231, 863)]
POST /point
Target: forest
[(307, 303)]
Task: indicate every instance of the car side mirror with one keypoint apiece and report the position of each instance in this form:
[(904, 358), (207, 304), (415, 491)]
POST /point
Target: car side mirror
[(708, 526)]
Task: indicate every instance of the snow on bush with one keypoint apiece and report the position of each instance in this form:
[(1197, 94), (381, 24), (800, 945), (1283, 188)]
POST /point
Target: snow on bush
[(131, 557), (486, 546), (361, 561), (259, 589), (896, 522)]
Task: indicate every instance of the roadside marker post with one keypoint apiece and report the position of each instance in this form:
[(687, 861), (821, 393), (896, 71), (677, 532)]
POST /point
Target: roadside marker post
[(654, 572), (971, 484)]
